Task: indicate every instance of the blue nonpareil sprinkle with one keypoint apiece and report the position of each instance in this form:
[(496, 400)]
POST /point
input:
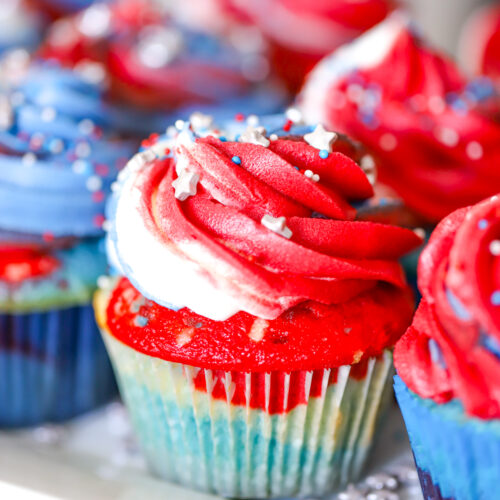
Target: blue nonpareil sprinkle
[(236, 159), (296, 168), (482, 224), (323, 153), (141, 321), (222, 138), (495, 298)]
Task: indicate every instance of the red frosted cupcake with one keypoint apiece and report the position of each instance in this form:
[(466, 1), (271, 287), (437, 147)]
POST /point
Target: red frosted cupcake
[(449, 359), (301, 32), (251, 333), (435, 134)]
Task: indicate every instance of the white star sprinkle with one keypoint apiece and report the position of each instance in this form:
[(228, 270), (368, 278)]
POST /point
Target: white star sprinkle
[(277, 225), (200, 121), (321, 139), (254, 136), (185, 185)]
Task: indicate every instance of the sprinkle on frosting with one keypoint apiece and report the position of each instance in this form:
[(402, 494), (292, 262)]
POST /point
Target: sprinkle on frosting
[(254, 135), (277, 225), (185, 185), (321, 139)]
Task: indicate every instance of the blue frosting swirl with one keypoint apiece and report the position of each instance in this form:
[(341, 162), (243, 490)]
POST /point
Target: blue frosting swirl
[(56, 162)]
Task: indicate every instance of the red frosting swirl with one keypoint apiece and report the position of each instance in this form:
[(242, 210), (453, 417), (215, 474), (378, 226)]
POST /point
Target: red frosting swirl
[(325, 260), (436, 141), (452, 349)]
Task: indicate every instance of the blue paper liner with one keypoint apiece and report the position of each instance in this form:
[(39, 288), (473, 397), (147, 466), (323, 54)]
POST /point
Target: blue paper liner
[(53, 366), (458, 457)]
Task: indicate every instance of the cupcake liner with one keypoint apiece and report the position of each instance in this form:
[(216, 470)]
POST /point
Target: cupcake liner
[(251, 434), (458, 457), (53, 366)]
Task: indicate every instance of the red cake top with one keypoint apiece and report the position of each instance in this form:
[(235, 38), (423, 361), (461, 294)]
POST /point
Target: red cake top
[(309, 336), (436, 135), (452, 349)]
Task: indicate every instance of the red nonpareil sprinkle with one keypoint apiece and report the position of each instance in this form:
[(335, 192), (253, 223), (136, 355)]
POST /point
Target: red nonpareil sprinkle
[(99, 220), (98, 197), (101, 169), (48, 237), (239, 117), (287, 126)]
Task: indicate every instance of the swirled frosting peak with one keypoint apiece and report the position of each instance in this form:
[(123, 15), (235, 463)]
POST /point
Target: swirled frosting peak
[(433, 131), (452, 349), (259, 223)]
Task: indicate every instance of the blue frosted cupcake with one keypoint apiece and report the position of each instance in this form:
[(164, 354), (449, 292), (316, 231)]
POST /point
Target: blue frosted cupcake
[(448, 361), (57, 163)]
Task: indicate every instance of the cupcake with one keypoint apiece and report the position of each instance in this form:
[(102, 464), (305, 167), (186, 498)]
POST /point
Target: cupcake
[(302, 32), (56, 166), (163, 68), (447, 361), (479, 43), (251, 332), (434, 133)]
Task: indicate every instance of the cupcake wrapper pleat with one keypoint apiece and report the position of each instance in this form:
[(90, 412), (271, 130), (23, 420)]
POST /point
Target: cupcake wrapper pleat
[(53, 366), (251, 435), (458, 457)]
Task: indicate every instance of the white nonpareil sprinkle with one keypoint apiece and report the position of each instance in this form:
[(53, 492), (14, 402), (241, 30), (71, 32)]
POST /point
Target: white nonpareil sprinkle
[(321, 139), (277, 225), (185, 185), (495, 247)]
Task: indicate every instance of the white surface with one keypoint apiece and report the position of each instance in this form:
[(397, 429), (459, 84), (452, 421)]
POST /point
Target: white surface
[(95, 457)]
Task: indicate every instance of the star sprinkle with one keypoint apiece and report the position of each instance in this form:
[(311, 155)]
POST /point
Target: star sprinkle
[(254, 135), (277, 225), (200, 121), (321, 139), (185, 185)]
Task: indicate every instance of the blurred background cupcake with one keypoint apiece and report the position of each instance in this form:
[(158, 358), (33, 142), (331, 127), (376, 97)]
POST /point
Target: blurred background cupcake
[(251, 333), (448, 360), (57, 163), (301, 32), (164, 68)]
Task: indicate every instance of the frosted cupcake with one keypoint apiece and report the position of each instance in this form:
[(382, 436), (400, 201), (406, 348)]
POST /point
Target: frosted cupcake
[(56, 167), (251, 333), (448, 360), (434, 133), (302, 32), (163, 68)]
